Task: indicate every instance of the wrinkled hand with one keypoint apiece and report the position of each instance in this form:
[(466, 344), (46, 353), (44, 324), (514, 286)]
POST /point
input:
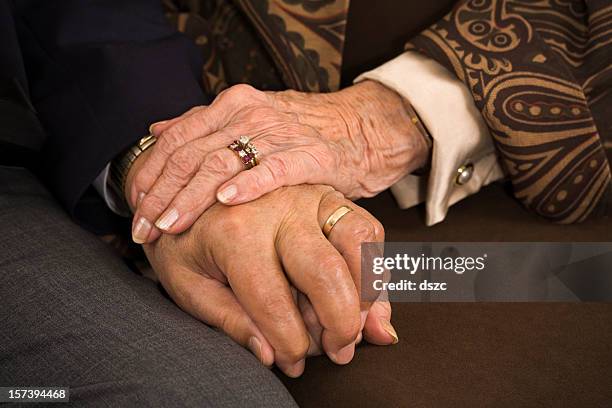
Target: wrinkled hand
[(359, 140), (235, 269)]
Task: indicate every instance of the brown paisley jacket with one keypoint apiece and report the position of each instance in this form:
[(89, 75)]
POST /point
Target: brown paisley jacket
[(540, 71)]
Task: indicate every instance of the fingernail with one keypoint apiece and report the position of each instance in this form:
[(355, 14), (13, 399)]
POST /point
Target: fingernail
[(296, 370), (141, 197), (167, 219), (344, 355), (255, 346), (389, 329), (155, 124), (359, 338), (141, 230), (227, 194)]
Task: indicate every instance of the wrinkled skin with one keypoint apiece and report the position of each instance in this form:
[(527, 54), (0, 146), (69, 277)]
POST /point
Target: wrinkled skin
[(359, 140), (264, 273)]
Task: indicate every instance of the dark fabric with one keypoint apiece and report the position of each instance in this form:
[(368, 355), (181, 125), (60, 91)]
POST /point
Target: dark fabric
[(21, 135), (480, 354), (74, 315), (474, 355), (98, 73), (539, 73), (234, 53), (304, 38), (375, 35), (229, 45)]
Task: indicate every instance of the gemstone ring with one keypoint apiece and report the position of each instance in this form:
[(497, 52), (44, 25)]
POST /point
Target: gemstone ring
[(246, 151)]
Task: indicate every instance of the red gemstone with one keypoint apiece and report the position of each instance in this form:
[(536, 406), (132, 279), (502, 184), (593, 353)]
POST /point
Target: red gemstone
[(247, 158)]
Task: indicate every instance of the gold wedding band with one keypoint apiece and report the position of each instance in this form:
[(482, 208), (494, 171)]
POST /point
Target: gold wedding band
[(334, 218)]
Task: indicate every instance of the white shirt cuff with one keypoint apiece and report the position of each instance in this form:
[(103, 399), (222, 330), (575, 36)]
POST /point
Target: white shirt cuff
[(461, 138)]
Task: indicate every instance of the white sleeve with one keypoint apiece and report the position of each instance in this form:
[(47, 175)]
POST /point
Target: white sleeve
[(463, 156)]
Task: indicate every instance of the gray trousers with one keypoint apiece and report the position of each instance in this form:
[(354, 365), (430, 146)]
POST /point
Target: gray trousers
[(72, 314)]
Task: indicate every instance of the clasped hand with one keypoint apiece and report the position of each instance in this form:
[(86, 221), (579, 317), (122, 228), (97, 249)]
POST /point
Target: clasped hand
[(264, 273), (253, 260)]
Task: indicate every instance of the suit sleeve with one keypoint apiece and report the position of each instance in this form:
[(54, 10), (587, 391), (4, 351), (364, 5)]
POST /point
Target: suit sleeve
[(99, 74), (535, 71)]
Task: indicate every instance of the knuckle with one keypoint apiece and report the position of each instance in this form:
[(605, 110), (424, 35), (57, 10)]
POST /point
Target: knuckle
[(217, 163), (152, 205), (230, 223), (196, 109), (279, 169), (296, 348), (363, 231), (292, 93), (348, 328), (333, 270), (332, 263), (241, 90), (190, 200), (171, 139), (143, 180), (274, 306), (325, 156), (275, 310), (230, 323), (329, 194), (253, 182), (239, 94), (379, 230), (181, 165)]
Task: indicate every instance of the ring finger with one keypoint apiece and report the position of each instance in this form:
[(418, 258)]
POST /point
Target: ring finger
[(189, 181)]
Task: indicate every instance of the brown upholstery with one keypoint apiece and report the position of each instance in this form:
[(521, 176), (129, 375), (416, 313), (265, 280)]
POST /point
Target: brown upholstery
[(477, 354)]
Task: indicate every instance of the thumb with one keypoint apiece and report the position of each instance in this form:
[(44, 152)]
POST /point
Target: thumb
[(378, 328)]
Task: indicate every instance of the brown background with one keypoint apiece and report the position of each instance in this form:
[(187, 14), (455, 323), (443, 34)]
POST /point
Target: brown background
[(477, 354)]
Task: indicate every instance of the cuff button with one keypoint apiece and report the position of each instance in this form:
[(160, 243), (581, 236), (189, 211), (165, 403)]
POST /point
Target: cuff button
[(464, 174)]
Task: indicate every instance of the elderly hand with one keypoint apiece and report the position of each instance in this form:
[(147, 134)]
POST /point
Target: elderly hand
[(235, 268), (359, 140)]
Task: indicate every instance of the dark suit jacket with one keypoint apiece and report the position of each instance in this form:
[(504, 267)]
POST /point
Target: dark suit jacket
[(21, 134), (95, 74)]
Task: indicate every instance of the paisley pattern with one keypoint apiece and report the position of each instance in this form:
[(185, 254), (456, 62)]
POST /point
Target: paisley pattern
[(232, 50), (305, 37), (270, 44), (540, 71), (537, 69)]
